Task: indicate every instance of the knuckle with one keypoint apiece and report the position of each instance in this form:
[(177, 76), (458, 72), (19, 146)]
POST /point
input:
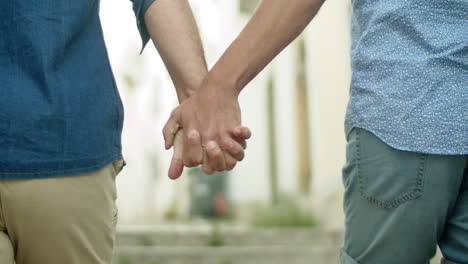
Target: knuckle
[(214, 152), (193, 138)]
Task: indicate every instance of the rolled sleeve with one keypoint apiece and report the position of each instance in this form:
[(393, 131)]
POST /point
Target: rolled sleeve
[(140, 7)]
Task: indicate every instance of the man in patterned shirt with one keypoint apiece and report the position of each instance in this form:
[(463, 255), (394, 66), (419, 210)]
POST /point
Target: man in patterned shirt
[(406, 176)]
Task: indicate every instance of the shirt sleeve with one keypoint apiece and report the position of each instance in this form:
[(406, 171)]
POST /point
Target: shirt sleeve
[(140, 7)]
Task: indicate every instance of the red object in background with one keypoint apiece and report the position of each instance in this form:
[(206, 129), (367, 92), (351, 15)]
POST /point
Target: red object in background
[(220, 204)]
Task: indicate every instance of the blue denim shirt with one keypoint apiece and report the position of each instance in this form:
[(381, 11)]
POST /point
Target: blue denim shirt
[(60, 111), (410, 73)]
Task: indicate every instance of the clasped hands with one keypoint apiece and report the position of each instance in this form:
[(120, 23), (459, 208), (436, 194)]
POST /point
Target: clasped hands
[(206, 130)]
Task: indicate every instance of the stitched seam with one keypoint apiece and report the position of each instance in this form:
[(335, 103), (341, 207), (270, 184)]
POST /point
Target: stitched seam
[(2, 217), (411, 195), (58, 171), (4, 209)]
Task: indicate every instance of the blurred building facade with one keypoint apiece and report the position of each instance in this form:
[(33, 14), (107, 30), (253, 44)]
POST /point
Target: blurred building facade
[(295, 109)]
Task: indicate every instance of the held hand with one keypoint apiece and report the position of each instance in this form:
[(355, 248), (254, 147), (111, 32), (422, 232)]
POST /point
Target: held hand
[(240, 134), (232, 153), (177, 165), (209, 120)]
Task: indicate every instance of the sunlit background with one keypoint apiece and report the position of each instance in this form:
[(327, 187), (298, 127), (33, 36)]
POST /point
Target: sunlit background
[(284, 201)]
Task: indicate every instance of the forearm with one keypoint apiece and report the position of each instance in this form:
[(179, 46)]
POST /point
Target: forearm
[(274, 26), (174, 32)]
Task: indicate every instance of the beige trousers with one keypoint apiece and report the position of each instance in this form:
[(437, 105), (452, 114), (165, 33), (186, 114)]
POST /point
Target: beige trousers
[(63, 220)]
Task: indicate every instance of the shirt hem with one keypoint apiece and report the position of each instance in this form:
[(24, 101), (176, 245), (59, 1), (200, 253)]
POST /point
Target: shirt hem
[(55, 169), (405, 148)]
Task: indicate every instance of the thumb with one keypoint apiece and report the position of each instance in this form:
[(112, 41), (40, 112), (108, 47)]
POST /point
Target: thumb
[(177, 166), (241, 132), (170, 129)]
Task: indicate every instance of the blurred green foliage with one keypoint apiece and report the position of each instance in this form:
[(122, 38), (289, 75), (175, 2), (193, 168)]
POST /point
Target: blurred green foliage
[(216, 240), (124, 259), (145, 240), (286, 213)]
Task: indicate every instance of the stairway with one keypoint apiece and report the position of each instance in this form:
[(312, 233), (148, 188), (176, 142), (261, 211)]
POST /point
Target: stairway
[(227, 245), (208, 245)]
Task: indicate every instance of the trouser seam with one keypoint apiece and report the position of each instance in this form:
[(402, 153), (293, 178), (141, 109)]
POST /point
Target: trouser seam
[(2, 217)]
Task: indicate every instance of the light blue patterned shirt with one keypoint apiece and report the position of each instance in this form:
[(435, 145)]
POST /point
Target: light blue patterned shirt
[(410, 73)]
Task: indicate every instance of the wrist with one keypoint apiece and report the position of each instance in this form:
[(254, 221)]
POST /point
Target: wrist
[(186, 89), (221, 84), (185, 94), (219, 88)]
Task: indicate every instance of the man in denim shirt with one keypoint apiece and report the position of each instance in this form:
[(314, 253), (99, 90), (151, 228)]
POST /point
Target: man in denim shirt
[(406, 176), (61, 115)]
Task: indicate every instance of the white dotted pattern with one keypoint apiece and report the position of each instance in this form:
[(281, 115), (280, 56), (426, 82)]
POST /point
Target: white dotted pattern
[(410, 74)]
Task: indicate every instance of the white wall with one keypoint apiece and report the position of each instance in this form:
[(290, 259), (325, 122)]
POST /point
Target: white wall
[(328, 37), (144, 190)]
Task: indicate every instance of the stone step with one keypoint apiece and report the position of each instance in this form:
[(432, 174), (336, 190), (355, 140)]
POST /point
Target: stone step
[(209, 236), (227, 245), (230, 255), (227, 255)]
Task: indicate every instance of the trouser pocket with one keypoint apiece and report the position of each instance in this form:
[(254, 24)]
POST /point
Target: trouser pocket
[(387, 177)]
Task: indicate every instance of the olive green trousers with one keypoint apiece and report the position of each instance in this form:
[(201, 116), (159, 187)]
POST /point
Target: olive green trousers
[(401, 205)]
